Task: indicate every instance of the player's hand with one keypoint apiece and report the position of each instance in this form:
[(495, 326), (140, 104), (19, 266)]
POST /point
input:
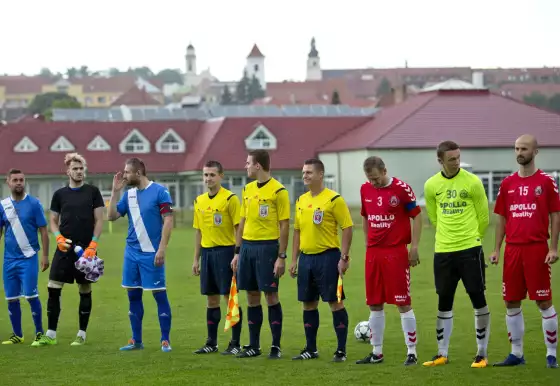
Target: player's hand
[(413, 258), (195, 267), (494, 258), (234, 263), (91, 250), (62, 243), (44, 263), (551, 257), (279, 267), (293, 269), (160, 258), (343, 266), (118, 182)]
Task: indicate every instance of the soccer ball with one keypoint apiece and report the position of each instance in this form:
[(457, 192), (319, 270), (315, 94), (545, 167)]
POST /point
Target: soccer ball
[(362, 331)]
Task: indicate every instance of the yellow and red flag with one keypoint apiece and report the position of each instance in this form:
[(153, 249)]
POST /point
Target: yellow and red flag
[(232, 317), (339, 288)]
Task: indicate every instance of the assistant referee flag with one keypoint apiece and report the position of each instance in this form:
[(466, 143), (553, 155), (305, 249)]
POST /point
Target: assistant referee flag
[(232, 317)]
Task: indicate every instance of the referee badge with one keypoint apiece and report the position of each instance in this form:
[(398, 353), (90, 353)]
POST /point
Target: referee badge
[(318, 216), (263, 210), (217, 219)]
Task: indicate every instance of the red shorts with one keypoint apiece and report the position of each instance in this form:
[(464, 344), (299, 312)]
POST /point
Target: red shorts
[(387, 276), (526, 272)]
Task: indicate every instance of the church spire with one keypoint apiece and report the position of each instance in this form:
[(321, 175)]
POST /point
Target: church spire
[(313, 53)]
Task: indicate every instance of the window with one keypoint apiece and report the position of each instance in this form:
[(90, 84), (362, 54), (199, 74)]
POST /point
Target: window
[(25, 145), (33, 188), (189, 67), (237, 181), (261, 138), (98, 144), (330, 182), (256, 67), (62, 144), (135, 142), (170, 142), (497, 178), (101, 99)]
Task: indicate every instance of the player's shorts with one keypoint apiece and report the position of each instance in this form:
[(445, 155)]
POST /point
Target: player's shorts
[(526, 272), (140, 271), (255, 269), (215, 270), (387, 276), (466, 265), (63, 269), (20, 277), (318, 275)]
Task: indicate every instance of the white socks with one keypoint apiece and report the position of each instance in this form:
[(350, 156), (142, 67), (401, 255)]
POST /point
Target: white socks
[(516, 329), (444, 327), (408, 322), (550, 330), (82, 334), (482, 326), (377, 326), (51, 334)]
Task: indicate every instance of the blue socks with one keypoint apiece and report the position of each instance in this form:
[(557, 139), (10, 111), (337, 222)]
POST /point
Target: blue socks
[(37, 314), (164, 313), (136, 313), (14, 309)]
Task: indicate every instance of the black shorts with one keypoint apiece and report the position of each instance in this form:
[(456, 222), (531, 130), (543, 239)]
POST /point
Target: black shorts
[(318, 275), (63, 269), (255, 269), (466, 265), (215, 270)]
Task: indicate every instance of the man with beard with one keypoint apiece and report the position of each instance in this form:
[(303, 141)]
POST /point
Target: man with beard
[(76, 220), (527, 203), (22, 216), (150, 221)]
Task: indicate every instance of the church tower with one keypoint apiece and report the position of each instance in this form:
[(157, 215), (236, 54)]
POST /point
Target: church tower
[(313, 63), (255, 66)]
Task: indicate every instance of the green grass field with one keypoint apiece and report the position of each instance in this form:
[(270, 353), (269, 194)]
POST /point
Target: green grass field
[(99, 362)]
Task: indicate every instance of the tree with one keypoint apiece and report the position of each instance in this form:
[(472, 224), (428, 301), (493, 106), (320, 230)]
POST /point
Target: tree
[(335, 100), (43, 102), (255, 90), (46, 73), (72, 72), (536, 99), (83, 71), (227, 97), (68, 103), (384, 87), (554, 102), (242, 90), (169, 76)]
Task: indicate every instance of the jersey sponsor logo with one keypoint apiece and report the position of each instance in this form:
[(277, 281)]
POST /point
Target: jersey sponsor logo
[(263, 210), (218, 219), (394, 201), (453, 207), (538, 191), (318, 216), (381, 220), (522, 210)]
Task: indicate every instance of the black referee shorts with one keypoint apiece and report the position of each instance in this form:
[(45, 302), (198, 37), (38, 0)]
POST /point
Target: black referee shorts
[(466, 265)]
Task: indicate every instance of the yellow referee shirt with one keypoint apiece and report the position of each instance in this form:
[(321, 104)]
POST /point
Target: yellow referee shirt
[(318, 219), (215, 217), (262, 207)]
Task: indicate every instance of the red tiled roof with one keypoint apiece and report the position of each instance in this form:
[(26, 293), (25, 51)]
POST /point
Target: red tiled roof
[(519, 90), (476, 119), (136, 97), (255, 52), (16, 84)]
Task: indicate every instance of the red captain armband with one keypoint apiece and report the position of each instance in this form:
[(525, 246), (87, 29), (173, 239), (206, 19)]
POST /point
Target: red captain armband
[(165, 208)]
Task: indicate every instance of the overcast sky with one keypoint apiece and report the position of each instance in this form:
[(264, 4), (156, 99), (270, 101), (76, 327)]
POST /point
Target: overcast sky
[(350, 34)]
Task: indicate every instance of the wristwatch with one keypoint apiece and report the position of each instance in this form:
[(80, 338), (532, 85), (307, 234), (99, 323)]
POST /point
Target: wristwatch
[(345, 257), (282, 255)]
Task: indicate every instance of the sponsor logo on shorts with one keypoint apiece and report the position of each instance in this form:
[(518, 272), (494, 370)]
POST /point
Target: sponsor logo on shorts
[(543, 293)]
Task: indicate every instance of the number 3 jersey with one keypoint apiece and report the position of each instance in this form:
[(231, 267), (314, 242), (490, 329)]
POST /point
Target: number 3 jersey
[(526, 203), (388, 211)]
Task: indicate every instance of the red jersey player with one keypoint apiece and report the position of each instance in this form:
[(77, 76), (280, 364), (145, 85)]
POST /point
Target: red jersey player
[(388, 204), (525, 201)]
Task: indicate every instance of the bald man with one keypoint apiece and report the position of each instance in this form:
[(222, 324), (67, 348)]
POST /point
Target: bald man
[(528, 202)]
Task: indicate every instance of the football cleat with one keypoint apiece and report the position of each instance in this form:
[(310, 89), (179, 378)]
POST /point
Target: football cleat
[(13, 339), (207, 349), (165, 346), (480, 362), (551, 362), (37, 341), (249, 352), (132, 345), (233, 349), (411, 359), (275, 353), (47, 341), (79, 341), (306, 354), (339, 356), (370, 359), (511, 360), (438, 360)]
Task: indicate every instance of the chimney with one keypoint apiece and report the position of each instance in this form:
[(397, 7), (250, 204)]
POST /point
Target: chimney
[(478, 79), (399, 94)]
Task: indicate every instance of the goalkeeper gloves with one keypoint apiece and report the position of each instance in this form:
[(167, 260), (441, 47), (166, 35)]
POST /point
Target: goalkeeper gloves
[(91, 250), (62, 243)]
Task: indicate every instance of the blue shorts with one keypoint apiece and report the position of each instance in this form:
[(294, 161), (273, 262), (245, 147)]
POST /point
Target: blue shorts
[(21, 277), (255, 269), (215, 270), (318, 275), (140, 271)]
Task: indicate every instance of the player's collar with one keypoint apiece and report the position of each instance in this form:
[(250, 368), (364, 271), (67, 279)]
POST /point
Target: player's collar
[(13, 199)]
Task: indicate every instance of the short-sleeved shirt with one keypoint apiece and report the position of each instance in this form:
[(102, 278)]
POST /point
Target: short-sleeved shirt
[(318, 219), (144, 210), (21, 220), (216, 216), (388, 211), (263, 205), (76, 208), (526, 203)]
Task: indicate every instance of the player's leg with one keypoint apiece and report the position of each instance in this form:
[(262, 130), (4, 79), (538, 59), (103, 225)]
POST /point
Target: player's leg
[(308, 294), (61, 272), (30, 280), (132, 282), (209, 288), (247, 281), (538, 277), (268, 283), (12, 289), (84, 308), (473, 275), (514, 290), (446, 277)]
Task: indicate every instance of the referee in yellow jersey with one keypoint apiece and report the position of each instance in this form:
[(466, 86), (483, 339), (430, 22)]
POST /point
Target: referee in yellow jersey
[(319, 214), (216, 218), (263, 239)]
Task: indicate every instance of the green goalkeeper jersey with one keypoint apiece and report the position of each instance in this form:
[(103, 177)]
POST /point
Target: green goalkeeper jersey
[(458, 208)]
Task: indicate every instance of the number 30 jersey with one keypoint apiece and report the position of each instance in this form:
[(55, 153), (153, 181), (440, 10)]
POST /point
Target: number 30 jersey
[(458, 208)]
